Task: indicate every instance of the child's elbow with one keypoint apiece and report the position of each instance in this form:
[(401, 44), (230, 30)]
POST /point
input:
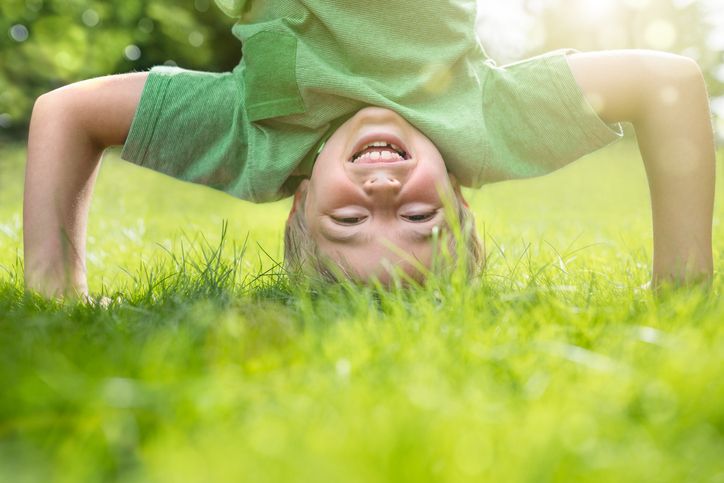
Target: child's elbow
[(672, 79), (688, 69), (49, 107), (62, 111), (680, 71)]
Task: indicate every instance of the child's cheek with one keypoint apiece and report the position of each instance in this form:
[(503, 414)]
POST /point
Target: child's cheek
[(428, 185)]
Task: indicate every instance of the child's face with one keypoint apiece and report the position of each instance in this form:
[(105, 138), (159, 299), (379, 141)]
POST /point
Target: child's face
[(375, 195)]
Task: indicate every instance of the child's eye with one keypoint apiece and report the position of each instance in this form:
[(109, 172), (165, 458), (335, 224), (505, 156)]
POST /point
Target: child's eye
[(420, 218), (349, 220)]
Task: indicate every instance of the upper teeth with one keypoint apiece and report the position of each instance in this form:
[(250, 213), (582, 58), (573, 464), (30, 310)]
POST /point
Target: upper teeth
[(377, 155)]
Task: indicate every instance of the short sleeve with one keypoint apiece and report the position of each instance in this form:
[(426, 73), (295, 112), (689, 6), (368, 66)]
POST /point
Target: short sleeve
[(191, 125), (537, 118)]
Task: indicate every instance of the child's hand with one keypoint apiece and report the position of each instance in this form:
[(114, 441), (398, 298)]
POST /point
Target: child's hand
[(102, 302)]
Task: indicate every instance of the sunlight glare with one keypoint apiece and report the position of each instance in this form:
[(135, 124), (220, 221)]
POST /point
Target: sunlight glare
[(594, 11), (507, 30), (660, 34), (680, 4), (636, 4), (611, 35)]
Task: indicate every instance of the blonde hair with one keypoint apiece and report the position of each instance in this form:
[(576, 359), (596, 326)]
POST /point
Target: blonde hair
[(302, 256)]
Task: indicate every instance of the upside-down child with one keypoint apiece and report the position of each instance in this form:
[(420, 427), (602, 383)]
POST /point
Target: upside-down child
[(371, 114)]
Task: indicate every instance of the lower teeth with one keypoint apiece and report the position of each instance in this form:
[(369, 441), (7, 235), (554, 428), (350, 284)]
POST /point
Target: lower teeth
[(384, 156)]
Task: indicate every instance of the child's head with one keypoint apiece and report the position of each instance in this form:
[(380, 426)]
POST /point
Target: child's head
[(373, 202)]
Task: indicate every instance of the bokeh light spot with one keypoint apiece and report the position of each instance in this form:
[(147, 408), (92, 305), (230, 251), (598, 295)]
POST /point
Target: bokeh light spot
[(19, 33), (201, 5), (719, 73), (343, 368), (660, 34), (145, 25), (132, 52), (717, 106), (5, 121), (719, 125), (120, 393), (715, 40), (170, 63), (669, 95), (90, 18), (34, 5), (63, 57), (196, 39)]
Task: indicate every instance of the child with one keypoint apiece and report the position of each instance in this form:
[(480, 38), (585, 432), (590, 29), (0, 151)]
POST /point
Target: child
[(362, 110)]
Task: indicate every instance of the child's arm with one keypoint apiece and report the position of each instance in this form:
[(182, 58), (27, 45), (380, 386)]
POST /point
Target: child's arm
[(664, 96), (69, 130)]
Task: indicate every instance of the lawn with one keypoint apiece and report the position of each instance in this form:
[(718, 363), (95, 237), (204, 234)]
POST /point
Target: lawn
[(554, 365)]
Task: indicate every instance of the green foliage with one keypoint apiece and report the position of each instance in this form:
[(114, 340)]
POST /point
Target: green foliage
[(69, 41), (206, 365)]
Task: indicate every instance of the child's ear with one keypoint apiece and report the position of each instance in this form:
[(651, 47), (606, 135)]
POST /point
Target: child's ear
[(299, 196), (301, 189)]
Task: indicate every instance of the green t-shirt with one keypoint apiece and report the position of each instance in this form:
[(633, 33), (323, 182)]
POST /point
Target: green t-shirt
[(308, 65)]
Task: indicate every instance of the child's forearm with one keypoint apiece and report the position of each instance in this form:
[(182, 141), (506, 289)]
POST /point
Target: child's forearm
[(61, 168), (664, 96), (69, 130), (675, 137)]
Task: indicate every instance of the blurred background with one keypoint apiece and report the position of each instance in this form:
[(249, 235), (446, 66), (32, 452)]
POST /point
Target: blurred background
[(45, 44)]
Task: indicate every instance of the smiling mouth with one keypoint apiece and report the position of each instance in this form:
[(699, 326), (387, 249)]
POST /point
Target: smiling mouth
[(379, 152)]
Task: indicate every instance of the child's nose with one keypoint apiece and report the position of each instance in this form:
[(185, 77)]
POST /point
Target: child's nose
[(382, 184)]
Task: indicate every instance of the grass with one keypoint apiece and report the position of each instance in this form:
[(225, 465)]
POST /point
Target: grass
[(208, 366)]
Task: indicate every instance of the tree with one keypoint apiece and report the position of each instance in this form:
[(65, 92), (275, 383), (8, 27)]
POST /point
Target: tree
[(47, 44)]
